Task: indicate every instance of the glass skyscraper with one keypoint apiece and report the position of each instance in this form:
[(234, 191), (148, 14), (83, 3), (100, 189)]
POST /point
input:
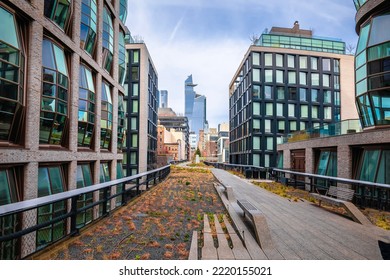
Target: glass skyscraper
[(195, 107)]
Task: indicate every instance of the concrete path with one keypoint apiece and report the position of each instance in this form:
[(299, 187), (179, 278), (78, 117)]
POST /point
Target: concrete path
[(302, 230)]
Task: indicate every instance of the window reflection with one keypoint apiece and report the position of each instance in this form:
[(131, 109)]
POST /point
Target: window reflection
[(108, 40), (54, 101), (88, 25), (106, 117), (58, 11)]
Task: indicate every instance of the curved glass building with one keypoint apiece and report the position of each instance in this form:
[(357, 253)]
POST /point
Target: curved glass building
[(62, 68), (372, 63)]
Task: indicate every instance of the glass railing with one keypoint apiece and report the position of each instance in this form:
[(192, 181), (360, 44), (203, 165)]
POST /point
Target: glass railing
[(327, 130)]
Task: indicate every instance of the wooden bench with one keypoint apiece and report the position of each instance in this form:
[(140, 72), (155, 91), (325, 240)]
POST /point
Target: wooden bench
[(342, 197), (259, 222)]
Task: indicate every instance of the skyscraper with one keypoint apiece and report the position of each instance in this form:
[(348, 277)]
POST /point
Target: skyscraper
[(163, 99), (195, 107), (289, 80)]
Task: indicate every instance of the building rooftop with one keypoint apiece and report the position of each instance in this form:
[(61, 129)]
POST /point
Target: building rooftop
[(301, 39)]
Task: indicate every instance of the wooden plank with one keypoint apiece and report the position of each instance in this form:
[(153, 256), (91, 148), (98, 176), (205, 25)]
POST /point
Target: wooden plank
[(239, 251), (224, 251), (355, 214), (230, 193), (209, 252), (194, 246)]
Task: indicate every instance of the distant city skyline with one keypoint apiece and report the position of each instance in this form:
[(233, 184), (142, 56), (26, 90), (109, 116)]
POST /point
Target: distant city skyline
[(210, 38)]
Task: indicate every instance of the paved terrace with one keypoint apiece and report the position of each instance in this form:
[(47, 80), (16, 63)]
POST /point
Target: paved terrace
[(302, 230)]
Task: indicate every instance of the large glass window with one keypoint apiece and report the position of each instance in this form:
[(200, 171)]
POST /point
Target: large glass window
[(270, 143), (121, 122), (104, 177), (303, 94), (280, 93), (315, 79), (279, 109), (268, 92), (11, 78), (327, 163), (303, 62), (369, 165), (256, 109), (291, 61), (58, 11), (267, 126), (256, 91), (314, 63), (106, 118), (123, 10), (269, 109), (303, 78), (381, 106), (54, 101), (256, 143), (256, 59), (279, 76), (256, 75), (291, 110), (108, 40), (268, 59), (379, 32), (9, 193), (50, 181), (292, 77), (268, 76), (88, 25), (84, 179), (86, 107), (326, 66), (120, 187), (304, 111), (279, 60), (122, 59)]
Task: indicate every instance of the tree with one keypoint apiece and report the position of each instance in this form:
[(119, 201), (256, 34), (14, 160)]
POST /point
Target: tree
[(350, 48), (198, 152)]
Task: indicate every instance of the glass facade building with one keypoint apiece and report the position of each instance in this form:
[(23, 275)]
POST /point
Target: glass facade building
[(195, 107), (288, 81), (61, 109), (141, 107)]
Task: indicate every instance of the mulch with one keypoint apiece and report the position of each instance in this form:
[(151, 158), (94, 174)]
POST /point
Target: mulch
[(156, 226)]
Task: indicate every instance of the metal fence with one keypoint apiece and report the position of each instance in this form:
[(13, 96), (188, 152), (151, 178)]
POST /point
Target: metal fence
[(367, 194), (29, 226)]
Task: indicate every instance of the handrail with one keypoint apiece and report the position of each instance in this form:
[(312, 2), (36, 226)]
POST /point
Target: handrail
[(336, 179), (40, 201)]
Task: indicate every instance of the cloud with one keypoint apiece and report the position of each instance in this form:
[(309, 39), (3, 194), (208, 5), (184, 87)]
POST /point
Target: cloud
[(208, 39)]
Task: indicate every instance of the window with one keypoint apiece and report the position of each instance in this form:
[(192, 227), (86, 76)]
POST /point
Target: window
[(279, 109), (88, 25), (120, 187), (303, 78), (337, 98), (58, 11), (256, 75), (269, 109), (327, 163), (291, 61), (108, 40), (336, 82), (122, 59), (50, 181), (280, 92), (104, 177), (106, 118), (121, 122), (314, 63), (281, 126), (327, 96), (256, 91), (369, 165), (84, 179), (256, 109), (11, 78), (326, 64), (135, 56), (268, 76), (303, 62), (256, 125), (256, 159), (279, 60), (54, 101), (293, 125), (134, 106), (123, 10), (304, 111), (292, 77), (326, 80), (303, 94), (279, 76), (267, 126), (315, 79), (314, 95), (291, 110), (268, 92), (292, 93), (328, 113), (86, 107), (270, 143), (135, 91), (336, 66), (256, 143), (314, 112), (268, 59), (256, 59)]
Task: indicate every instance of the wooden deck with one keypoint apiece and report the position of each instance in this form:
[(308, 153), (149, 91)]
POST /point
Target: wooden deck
[(302, 230)]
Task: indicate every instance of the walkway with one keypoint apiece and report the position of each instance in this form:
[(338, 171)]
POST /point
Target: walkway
[(302, 230)]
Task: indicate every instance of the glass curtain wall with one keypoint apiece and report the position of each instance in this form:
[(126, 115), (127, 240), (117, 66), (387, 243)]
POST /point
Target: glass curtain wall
[(84, 179), (12, 64), (108, 40), (58, 11), (88, 25), (106, 117)]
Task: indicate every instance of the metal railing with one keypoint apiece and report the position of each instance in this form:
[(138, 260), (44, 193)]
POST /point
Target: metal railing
[(250, 171), (367, 194), (27, 224)]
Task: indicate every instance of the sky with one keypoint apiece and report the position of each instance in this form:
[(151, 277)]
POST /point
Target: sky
[(209, 38)]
